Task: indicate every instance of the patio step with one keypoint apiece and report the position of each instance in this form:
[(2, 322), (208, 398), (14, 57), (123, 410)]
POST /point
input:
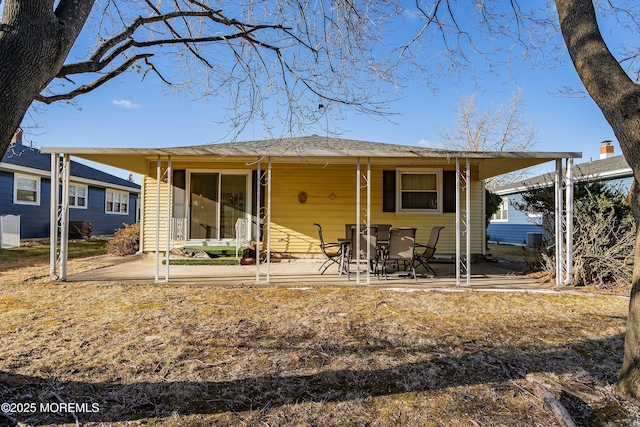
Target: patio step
[(218, 251)]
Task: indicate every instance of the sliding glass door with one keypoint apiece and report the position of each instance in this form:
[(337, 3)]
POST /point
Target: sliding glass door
[(217, 201)]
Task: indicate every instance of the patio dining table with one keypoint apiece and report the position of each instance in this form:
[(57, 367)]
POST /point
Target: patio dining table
[(380, 230)]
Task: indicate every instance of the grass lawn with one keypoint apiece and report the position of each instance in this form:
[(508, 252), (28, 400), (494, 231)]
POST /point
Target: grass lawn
[(29, 255), (511, 252), (197, 355)]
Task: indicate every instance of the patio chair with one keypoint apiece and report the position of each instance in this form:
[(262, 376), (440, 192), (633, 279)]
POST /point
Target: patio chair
[(429, 250), (373, 250), (330, 250), (401, 247)]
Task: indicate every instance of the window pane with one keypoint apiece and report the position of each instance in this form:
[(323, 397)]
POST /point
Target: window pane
[(116, 206), (72, 191), (419, 200), (81, 201), (416, 181), (26, 196), (109, 206), (26, 184)]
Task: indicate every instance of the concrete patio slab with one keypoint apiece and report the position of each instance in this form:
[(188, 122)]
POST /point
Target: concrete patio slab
[(305, 272)]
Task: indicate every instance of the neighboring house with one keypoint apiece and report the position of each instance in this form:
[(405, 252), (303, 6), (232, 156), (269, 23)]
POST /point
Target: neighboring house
[(512, 226), (311, 179), (104, 200)]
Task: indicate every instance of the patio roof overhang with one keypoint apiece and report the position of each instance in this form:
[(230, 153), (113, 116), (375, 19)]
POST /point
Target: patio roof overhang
[(137, 159), (316, 150)]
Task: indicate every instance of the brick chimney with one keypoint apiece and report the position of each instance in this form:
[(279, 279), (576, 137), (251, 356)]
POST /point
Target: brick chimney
[(17, 137), (606, 150)]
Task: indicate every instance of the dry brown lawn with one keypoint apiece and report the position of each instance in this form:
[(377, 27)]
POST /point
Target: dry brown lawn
[(197, 355)]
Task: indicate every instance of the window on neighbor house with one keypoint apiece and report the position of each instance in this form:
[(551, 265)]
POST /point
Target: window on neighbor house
[(419, 190), (503, 211), (26, 190), (78, 196), (117, 202)]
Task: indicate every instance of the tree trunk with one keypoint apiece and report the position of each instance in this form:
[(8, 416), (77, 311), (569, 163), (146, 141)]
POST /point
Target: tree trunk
[(34, 43), (629, 376), (619, 100)]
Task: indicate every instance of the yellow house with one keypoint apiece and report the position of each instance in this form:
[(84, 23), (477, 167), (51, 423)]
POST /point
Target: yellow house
[(275, 190)]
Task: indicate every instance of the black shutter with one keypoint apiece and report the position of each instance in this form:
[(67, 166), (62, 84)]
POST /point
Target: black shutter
[(388, 191), (449, 191)]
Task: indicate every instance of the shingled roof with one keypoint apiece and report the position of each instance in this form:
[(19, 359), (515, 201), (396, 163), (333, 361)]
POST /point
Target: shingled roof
[(27, 157), (309, 149), (611, 168)]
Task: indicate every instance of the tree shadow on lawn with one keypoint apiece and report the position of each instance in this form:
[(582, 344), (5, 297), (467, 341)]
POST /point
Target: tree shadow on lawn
[(119, 402)]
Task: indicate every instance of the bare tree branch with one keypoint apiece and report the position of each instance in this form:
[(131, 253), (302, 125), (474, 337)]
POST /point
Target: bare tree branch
[(494, 129), (97, 83)]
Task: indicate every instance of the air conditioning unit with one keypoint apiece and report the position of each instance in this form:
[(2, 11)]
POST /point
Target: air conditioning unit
[(534, 240)]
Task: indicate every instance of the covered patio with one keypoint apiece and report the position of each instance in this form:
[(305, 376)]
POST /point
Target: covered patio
[(505, 276), (353, 175)]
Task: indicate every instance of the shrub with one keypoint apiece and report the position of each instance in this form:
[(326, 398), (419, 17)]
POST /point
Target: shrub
[(603, 232), (603, 241), (126, 241)]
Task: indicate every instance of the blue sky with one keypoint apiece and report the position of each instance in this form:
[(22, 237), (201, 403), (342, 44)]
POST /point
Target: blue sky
[(129, 113)]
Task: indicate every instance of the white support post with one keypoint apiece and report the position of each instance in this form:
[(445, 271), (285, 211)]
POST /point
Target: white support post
[(158, 176), (258, 220), (558, 223), (368, 213), (569, 223), (357, 230), (53, 226), (463, 224), (268, 221), (458, 222), (168, 243), (468, 220), (64, 216)]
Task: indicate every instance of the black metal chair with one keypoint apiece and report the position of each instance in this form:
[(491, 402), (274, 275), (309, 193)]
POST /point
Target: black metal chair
[(330, 250), (429, 250), (401, 247)]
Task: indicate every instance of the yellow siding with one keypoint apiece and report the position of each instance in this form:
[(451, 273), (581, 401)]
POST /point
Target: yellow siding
[(292, 222), (292, 228), (150, 215)]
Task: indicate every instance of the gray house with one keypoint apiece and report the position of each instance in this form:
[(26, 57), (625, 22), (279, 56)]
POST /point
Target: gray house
[(512, 226)]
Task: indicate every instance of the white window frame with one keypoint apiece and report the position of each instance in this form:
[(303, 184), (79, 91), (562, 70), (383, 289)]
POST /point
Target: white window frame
[(220, 172), (418, 171), (503, 211), (120, 195), (16, 177), (75, 196)]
